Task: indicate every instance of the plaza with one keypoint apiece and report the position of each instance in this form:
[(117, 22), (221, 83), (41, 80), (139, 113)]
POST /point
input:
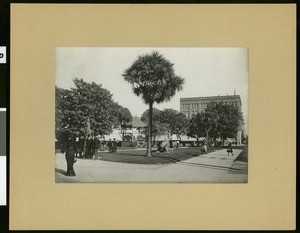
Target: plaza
[(215, 167)]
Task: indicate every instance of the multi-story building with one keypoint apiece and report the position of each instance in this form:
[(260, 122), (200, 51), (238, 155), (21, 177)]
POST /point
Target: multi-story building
[(193, 105)]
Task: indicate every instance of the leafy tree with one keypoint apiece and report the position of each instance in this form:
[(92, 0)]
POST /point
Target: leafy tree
[(201, 124), (219, 120), (86, 100), (64, 112), (228, 119), (174, 121), (155, 115), (157, 127), (153, 78), (124, 118)]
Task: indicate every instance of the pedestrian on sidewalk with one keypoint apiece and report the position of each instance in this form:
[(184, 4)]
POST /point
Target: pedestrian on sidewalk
[(229, 149), (114, 145), (204, 147), (69, 148), (109, 144), (96, 147), (88, 147)]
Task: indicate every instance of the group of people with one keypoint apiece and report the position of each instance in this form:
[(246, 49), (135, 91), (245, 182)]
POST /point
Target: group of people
[(112, 145), (76, 145), (204, 148), (86, 147)]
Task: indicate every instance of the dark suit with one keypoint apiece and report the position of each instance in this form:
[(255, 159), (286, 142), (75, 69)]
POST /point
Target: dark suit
[(69, 147), (81, 145)]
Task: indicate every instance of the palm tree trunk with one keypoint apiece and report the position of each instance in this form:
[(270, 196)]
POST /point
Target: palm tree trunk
[(207, 135), (149, 145)]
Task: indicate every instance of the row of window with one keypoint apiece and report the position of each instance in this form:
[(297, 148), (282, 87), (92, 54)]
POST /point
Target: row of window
[(194, 106), (203, 105)]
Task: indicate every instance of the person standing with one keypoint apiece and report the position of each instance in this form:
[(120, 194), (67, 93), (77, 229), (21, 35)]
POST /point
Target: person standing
[(229, 149), (81, 144), (96, 146), (114, 145), (69, 148), (109, 144), (204, 147), (88, 146), (102, 144), (92, 146), (177, 144)]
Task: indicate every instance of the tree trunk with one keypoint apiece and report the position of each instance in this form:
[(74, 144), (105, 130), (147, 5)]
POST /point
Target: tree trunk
[(207, 136), (149, 145), (170, 142)]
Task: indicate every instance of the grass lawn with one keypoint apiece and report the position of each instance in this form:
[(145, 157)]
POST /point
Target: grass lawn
[(139, 156)]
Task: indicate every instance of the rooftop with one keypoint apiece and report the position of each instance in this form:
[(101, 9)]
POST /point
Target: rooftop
[(211, 97), (137, 123)]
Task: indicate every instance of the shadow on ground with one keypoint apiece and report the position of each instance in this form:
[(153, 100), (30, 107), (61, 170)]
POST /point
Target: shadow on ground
[(61, 177), (61, 171)]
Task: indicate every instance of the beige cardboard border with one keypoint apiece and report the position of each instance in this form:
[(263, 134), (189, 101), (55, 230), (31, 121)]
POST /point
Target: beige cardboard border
[(266, 202)]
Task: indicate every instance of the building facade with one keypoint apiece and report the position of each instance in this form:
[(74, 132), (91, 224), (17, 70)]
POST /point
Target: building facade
[(193, 105)]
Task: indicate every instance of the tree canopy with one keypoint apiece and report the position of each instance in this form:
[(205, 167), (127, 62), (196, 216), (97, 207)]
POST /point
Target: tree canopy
[(201, 124), (219, 120), (153, 78), (157, 127), (87, 100), (155, 115), (174, 121), (124, 116)]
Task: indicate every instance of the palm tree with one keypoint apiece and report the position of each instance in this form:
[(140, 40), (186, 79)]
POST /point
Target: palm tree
[(152, 77)]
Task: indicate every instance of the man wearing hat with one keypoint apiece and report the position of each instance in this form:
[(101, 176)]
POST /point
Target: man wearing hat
[(69, 147)]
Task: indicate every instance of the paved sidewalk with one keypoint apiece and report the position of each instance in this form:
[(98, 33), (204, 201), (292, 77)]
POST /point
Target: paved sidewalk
[(210, 168)]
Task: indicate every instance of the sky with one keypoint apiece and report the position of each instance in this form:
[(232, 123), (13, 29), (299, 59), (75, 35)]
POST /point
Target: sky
[(206, 71)]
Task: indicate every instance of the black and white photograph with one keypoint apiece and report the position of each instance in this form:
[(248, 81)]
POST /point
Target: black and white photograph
[(137, 116), (151, 115)]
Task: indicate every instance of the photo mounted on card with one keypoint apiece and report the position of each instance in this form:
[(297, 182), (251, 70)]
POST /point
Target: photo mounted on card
[(177, 115), (152, 117)]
